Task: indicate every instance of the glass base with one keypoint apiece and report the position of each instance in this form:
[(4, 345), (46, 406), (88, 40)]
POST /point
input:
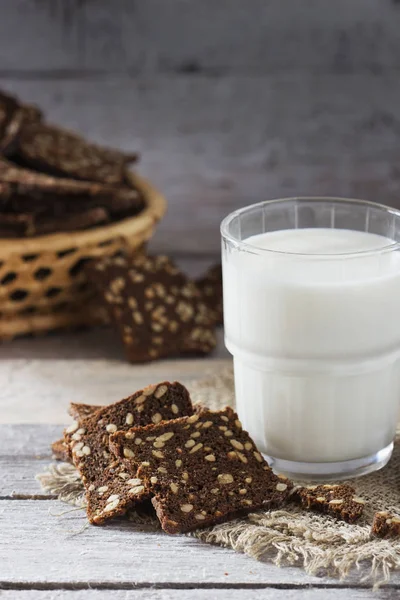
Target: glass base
[(331, 471)]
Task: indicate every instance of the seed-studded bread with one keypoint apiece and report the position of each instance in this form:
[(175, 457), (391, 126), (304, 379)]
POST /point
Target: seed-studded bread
[(337, 500), (26, 191), (60, 152), (385, 525), (210, 286), (77, 411), (201, 469), (110, 487), (158, 311)]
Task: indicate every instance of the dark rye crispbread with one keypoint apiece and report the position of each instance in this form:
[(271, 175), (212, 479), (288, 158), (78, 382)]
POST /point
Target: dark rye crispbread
[(60, 451), (32, 113), (25, 191), (200, 470), (110, 487), (77, 411), (157, 310), (85, 219), (210, 285), (80, 411), (16, 225), (28, 225), (385, 524), (10, 120), (60, 152), (340, 501), (13, 116)]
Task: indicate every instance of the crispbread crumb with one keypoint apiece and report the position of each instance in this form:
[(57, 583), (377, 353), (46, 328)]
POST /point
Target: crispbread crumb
[(340, 501), (385, 524)]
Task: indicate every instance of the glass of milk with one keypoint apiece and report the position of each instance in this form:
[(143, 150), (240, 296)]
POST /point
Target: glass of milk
[(312, 319)]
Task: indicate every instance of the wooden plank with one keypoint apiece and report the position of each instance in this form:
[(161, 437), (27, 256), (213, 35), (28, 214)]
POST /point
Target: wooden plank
[(205, 594), (46, 530), (28, 441), (43, 38), (213, 145), (154, 35), (17, 477), (56, 550), (39, 391)]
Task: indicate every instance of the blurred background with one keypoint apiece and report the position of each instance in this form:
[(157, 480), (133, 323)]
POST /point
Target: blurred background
[(228, 101)]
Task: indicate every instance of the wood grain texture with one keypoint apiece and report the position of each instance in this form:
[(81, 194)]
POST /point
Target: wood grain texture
[(52, 387), (28, 442), (213, 145), (17, 477), (227, 593), (190, 36), (122, 554), (229, 102)]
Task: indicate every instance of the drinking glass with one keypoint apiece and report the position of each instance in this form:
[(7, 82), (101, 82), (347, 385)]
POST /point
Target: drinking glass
[(314, 330)]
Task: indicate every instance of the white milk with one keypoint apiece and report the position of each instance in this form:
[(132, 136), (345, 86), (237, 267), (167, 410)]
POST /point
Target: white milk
[(316, 342)]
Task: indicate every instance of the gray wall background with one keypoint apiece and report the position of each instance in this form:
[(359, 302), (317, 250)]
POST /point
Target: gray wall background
[(229, 101)]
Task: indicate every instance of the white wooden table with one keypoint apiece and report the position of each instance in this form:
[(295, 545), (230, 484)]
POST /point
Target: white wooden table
[(42, 555)]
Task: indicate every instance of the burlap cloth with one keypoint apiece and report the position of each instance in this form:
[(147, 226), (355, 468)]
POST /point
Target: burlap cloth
[(319, 544)]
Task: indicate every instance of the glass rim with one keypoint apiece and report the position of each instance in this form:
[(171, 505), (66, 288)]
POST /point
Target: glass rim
[(240, 244)]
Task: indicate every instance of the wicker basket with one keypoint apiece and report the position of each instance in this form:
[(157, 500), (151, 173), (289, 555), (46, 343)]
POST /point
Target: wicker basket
[(42, 283)]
